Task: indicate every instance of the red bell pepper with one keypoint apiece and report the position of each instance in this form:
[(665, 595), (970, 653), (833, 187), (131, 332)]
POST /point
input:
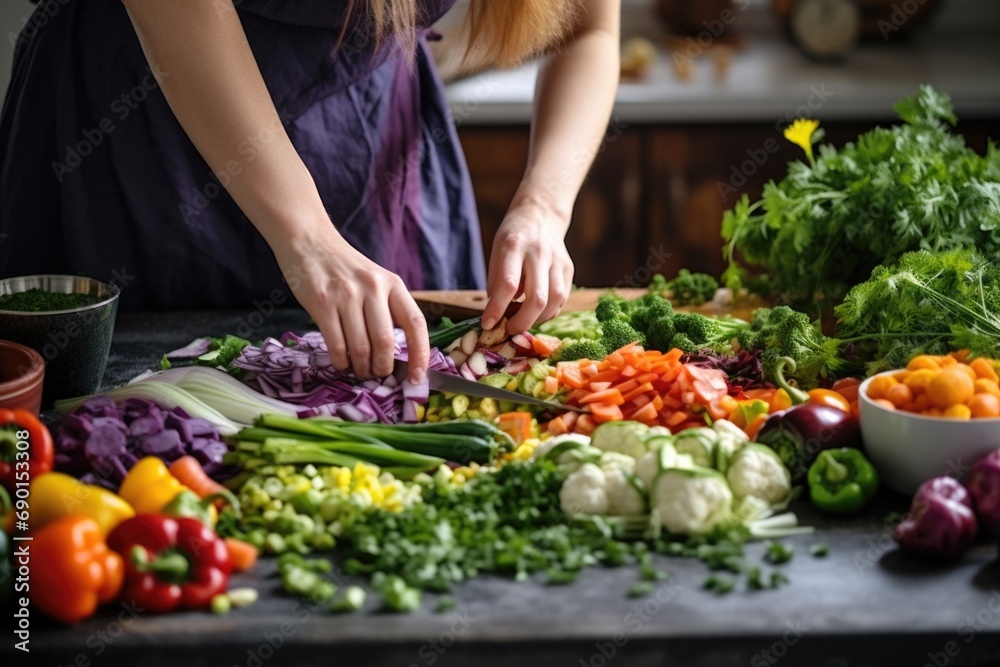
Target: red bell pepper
[(171, 563), (23, 464)]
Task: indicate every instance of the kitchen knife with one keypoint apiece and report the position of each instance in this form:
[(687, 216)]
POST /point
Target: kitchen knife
[(457, 384)]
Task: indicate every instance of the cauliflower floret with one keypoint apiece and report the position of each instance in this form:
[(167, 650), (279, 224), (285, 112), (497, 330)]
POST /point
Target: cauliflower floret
[(757, 471), (623, 496), (726, 447), (726, 427), (691, 501), (699, 443), (584, 491), (625, 437), (616, 461)]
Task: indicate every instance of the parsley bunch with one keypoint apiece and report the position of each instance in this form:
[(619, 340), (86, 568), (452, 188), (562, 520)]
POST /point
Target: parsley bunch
[(825, 226)]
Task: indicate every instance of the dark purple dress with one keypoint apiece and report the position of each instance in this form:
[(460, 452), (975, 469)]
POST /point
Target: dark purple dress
[(97, 177)]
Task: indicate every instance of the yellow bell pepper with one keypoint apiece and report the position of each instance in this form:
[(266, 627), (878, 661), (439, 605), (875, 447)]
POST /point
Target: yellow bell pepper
[(55, 495), (150, 487)]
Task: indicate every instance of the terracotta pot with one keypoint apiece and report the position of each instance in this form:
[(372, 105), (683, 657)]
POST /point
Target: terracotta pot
[(22, 371)]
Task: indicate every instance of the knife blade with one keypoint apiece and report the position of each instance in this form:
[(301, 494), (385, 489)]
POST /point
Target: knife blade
[(457, 384)]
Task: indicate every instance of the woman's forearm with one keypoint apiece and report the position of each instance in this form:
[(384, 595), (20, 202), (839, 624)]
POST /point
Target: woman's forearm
[(573, 101), (211, 80)]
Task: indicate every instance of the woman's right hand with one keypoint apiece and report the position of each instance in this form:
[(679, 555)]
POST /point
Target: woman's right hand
[(355, 303)]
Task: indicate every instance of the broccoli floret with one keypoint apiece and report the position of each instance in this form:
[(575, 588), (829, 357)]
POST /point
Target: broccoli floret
[(660, 334), (611, 307), (692, 288), (658, 285), (584, 349), (683, 343), (697, 327), (618, 334), (784, 332), (649, 309)]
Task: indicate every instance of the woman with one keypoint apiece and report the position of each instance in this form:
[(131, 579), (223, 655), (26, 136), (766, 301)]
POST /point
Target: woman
[(201, 148)]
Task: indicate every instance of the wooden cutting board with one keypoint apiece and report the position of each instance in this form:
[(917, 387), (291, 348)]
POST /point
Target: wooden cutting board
[(459, 304)]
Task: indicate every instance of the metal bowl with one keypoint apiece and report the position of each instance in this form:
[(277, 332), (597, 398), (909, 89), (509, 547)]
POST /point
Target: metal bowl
[(74, 343)]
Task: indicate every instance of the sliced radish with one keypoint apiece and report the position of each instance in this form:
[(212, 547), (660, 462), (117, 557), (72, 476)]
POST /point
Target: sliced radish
[(466, 372), (468, 342), (458, 357), (522, 342), (515, 367), (507, 350), (477, 362)]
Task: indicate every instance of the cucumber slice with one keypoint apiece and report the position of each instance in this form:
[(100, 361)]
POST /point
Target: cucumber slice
[(498, 380)]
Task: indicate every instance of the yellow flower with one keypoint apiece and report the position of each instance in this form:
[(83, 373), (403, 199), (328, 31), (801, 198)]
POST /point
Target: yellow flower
[(800, 133)]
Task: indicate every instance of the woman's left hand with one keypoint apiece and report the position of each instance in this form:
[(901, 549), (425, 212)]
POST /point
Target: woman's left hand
[(529, 258)]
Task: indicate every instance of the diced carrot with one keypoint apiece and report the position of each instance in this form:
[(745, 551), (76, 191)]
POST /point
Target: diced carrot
[(646, 377), (517, 425), (646, 413), (609, 396), (616, 360), (585, 424), (626, 386), (571, 377), (188, 471), (606, 376), (638, 391), (604, 412), (544, 345), (676, 418), (591, 368), (557, 426), (242, 555), (640, 401), (672, 375), (600, 386), (551, 384), (671, 403), (657, 403)]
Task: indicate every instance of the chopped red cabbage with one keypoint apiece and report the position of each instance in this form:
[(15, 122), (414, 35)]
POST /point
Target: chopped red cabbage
[(297, 369), (192, 350)]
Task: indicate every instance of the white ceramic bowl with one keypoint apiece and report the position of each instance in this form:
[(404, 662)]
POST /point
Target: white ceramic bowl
[(908, 449)]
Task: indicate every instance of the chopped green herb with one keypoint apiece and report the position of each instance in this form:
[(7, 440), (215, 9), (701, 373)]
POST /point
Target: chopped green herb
[(819, 550), (778, 553), (640, 589), (719, 584), (445, 604), (40, 301)]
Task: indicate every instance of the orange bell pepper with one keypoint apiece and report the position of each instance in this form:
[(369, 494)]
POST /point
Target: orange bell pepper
[(73, 570)]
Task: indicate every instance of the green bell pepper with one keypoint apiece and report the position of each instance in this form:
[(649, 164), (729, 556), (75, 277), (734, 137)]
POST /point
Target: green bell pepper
[(187, 504), (842, 481)]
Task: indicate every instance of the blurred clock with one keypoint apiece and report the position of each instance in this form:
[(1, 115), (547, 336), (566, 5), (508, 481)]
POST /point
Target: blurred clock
[(825, 30)]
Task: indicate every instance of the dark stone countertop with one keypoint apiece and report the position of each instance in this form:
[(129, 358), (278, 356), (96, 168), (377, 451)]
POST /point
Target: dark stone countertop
[(864, 604)]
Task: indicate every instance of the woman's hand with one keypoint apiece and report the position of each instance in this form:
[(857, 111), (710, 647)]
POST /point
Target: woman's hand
[(529, 258), (355, 303)]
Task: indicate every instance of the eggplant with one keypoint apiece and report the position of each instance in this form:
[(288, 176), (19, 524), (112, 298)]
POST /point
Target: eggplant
[(940, 522), (984, 487), (800, 433)]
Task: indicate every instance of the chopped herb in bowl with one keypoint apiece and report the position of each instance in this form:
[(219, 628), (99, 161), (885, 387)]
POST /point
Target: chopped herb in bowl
[(37, 300)]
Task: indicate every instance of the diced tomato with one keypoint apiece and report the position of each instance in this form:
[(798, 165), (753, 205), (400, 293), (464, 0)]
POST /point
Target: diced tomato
[(670, 403), (569, 419), (585, 424), (544, 345), (604, 412), (570, 375), (551, 385), (557, 426), (608, 396)]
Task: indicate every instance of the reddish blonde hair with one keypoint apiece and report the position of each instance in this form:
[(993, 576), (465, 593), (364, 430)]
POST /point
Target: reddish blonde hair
[(498, 33)]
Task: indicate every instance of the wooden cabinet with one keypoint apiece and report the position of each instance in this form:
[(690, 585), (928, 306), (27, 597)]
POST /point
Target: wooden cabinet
[(654, 199)]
